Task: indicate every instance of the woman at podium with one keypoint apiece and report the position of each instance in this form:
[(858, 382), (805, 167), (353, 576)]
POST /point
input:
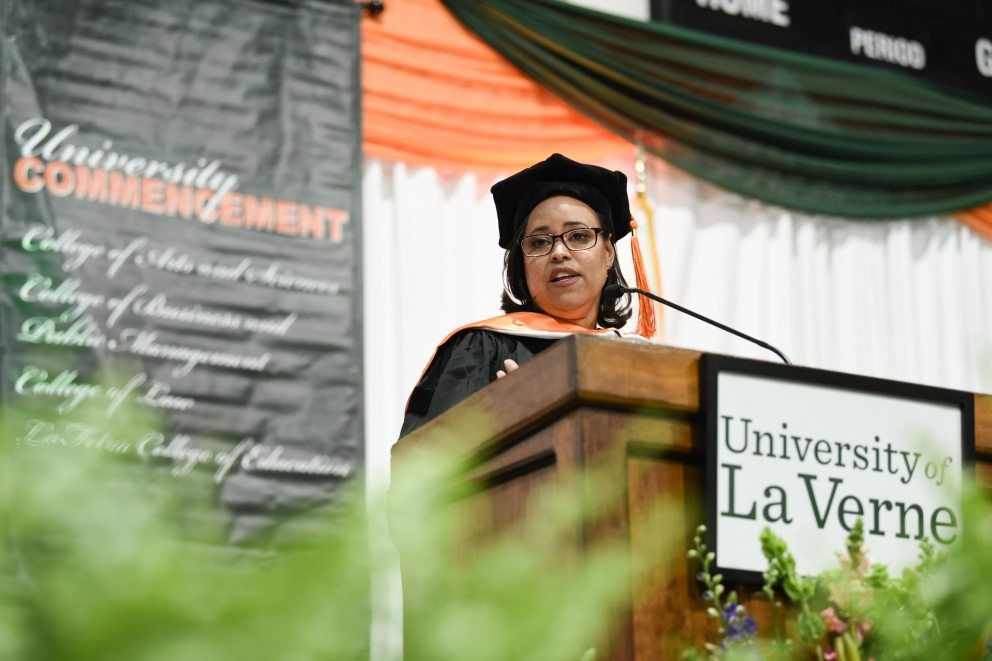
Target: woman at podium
[(559, 221)]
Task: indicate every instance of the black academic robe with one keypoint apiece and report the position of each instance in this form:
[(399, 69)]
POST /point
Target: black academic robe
[(468, 359), (467, 362)]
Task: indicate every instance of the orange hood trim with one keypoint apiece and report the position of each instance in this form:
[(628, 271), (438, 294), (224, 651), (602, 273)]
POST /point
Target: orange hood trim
[(533, 324), (530, 324)]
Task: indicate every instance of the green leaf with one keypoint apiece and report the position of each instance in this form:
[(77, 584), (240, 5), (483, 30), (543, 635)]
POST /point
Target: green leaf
[(810, 626)]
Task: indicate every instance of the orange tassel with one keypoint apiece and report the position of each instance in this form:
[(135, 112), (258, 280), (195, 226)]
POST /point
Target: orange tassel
[(646, 324)]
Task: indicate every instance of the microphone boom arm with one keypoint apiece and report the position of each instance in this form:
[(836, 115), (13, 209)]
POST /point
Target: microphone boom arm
[(654, 297)]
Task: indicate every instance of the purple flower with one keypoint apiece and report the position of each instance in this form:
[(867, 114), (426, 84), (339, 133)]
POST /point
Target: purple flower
[(739, 627)]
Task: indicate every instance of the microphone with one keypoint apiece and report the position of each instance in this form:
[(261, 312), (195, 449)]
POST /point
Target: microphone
[(615, 290)]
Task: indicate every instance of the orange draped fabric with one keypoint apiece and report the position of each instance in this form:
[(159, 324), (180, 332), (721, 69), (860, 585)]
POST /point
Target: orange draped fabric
[(979, 220), (435, 94)]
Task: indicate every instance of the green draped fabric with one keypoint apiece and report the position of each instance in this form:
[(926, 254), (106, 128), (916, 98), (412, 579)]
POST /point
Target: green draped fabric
[(804, 132)]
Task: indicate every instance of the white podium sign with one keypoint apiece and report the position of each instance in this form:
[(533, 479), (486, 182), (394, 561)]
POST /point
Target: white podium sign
[(808, 452)]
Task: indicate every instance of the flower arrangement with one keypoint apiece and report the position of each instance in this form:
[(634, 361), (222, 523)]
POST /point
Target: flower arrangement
[(857, 612)]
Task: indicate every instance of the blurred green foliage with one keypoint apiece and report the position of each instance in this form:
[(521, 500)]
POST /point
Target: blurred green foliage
[(96, 564)]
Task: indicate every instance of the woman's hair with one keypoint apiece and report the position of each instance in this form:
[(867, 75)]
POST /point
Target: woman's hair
[(613, 311)]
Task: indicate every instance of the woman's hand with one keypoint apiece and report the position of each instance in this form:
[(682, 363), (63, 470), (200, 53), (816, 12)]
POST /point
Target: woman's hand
[(510, 365)]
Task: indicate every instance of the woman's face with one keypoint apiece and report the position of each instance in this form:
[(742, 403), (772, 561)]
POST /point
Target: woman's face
[(567, 284)]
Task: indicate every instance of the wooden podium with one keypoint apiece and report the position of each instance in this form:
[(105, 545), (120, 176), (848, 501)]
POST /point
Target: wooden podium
[(633, 409)]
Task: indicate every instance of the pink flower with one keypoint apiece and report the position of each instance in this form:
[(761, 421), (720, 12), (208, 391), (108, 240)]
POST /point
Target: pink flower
[(830, 656), (864, 626), (834, 623)]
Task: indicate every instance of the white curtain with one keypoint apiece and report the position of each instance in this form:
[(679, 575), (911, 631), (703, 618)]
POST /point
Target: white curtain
[(907, 300)]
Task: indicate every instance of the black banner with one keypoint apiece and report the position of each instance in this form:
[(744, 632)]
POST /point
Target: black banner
[(181, 210), (944, 41)]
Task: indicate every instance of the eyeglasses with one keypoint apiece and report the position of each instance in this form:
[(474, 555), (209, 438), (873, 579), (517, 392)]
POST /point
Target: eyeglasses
[(581, 238)]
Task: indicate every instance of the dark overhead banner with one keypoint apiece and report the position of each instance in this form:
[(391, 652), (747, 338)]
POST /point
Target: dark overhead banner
[(180, 246), (944, 41)]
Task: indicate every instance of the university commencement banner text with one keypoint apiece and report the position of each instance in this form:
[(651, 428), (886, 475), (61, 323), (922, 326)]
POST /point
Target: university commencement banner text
[(180, 241)]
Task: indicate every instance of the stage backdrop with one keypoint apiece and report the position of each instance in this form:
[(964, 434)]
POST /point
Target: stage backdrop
[(944, 41), (180, 212)]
